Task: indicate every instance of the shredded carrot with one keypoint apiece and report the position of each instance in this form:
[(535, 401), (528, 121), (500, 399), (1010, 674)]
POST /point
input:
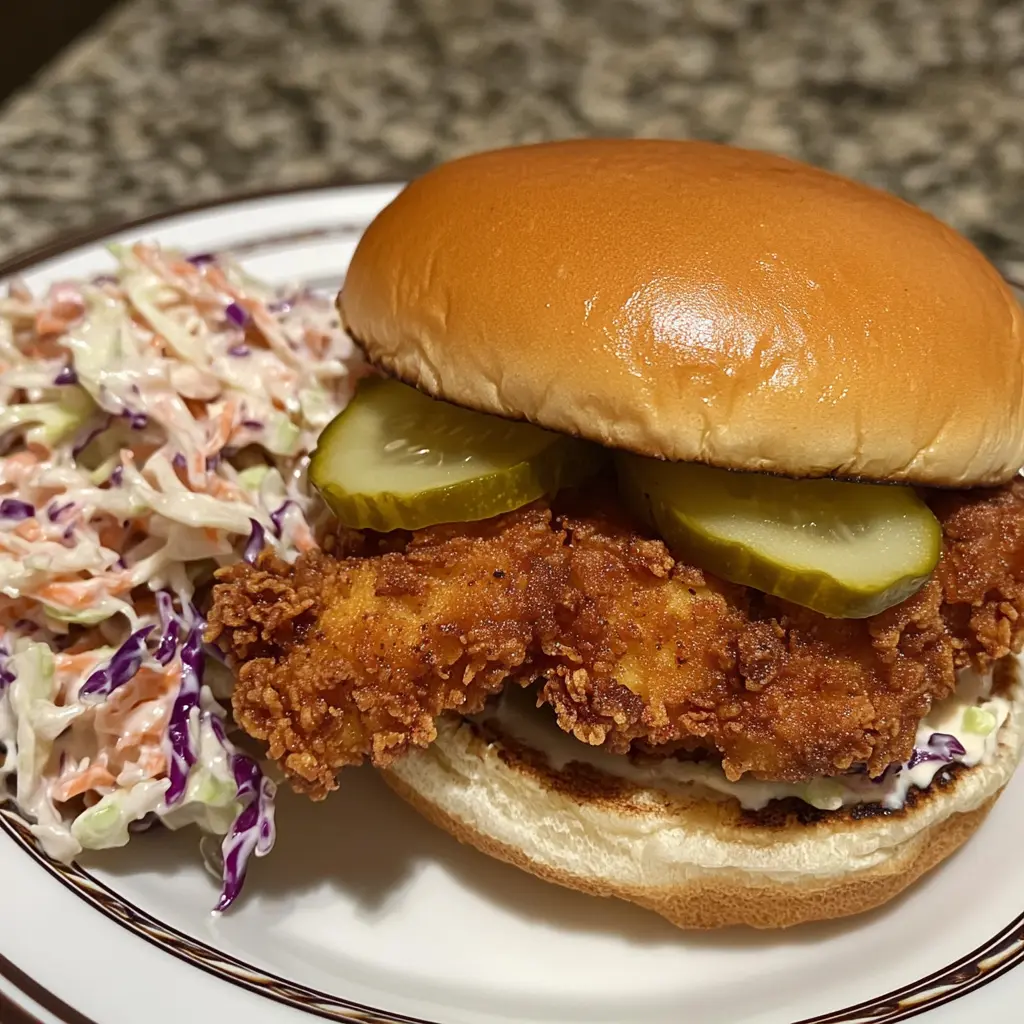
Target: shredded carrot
[(29, 529), (13, 609), (197, 466), (82, 593), (17, 468), (257, 310), (47, 323), (304, 539), (153, 762), (26, 459), (146, 686), (226, 423), (217, 278), (316, 340), (75, 661), (131, 740), (112, 536), (221, 488), (92, 777), (118, 583), (68, 595), (183, 268), (66, 302)]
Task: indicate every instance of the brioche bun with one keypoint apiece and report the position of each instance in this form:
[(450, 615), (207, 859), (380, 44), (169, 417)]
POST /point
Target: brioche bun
[(698, 860), (692, 301)]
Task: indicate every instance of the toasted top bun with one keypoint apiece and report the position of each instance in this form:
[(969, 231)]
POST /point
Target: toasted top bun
[(693, 301), (698, 860)]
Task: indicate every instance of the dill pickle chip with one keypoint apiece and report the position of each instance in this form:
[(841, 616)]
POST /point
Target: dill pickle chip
[(395, 459), (847, 550)]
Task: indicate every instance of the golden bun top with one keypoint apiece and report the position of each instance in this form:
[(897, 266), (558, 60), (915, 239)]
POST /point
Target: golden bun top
[(692, 301)]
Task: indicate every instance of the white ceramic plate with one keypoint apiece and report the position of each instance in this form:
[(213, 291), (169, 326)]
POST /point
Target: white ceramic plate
[(366, 913)]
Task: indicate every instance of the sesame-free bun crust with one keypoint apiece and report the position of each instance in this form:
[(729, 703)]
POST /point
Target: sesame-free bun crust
[(692, 301), (699, 861)]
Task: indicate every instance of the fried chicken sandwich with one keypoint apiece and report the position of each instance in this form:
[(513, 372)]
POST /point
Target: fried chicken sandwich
[(680, 553)]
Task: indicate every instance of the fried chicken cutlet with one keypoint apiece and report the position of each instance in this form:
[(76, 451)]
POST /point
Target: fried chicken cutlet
[(352, 655)]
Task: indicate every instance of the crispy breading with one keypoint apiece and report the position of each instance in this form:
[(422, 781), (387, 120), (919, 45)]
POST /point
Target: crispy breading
[(351, 656), (344, 658)]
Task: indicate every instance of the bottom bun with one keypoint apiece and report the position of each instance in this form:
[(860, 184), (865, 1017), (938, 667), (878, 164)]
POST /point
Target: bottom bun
[(694, 856)]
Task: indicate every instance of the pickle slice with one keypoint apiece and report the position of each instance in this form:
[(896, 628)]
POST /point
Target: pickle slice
[(847, 550), (395, 459)]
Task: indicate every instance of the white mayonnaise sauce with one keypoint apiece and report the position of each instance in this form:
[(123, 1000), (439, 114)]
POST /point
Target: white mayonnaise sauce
[(972, 716)]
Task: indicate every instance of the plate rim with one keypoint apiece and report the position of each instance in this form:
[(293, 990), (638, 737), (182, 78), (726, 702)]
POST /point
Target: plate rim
[(975, 969), (61, 244), (947, 984)]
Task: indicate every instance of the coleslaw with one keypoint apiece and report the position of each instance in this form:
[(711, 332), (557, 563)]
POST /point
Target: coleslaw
[(154, 425)]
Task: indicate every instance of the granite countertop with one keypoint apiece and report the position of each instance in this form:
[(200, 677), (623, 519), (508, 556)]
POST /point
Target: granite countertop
[(171, 102)]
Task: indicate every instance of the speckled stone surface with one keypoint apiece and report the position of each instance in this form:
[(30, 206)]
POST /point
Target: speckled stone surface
[(171, 102)]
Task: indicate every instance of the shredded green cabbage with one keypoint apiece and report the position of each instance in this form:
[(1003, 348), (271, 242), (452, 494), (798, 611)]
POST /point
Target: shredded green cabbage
[(147, 419)]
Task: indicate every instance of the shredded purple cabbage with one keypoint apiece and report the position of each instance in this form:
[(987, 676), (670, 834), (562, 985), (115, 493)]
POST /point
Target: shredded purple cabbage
[(179, 734), (13, 508), (248, 775), (127, 660), (238, 316), (277, 517), (171, 625), (6, 675), (116, 478), (89, 436), (949, 746), (253, 831), (66, 376), (168, 645), (179, 461), (941, 747), (165, 608), (136, 420), (218, 730), (212, 462), (54, 512), (256, 542), (239, 351), (200, 259), (252, 424)]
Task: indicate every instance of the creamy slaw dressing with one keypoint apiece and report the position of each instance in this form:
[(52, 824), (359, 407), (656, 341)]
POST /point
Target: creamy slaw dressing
[(155, 422), (514, 714)]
